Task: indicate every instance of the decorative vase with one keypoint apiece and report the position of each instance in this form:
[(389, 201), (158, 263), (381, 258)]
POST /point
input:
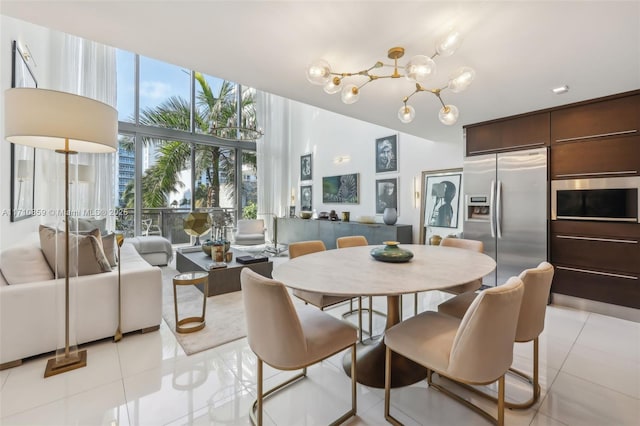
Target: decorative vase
[(390, 215), (391, 253), (435, 240)]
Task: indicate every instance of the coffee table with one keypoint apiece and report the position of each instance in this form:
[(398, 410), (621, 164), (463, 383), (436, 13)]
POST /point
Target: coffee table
[(221, 280)]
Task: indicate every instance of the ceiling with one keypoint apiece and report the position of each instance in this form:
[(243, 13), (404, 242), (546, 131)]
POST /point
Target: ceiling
[(519, 49)]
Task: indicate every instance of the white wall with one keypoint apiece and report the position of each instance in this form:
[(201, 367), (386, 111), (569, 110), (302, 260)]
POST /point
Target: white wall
[(38, 40), (328, 135)]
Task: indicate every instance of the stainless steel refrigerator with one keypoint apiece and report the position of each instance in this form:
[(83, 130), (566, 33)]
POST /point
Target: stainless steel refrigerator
[(505, 206)]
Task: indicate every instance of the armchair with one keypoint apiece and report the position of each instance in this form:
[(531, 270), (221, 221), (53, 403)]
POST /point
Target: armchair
[(250, 232)]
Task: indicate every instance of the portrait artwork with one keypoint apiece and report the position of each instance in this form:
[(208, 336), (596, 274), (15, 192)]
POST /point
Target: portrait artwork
[(306, 197), (442, 200), (386, 194), (305, 167), (387, 154)]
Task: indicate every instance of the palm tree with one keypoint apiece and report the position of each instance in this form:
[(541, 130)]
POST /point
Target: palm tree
[(211, 110)]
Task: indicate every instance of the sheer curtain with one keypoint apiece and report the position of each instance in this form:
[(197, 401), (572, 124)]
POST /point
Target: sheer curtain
[(272, 158), (88, 69)]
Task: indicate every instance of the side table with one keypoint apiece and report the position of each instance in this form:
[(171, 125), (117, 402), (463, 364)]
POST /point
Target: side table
[(190, 278)]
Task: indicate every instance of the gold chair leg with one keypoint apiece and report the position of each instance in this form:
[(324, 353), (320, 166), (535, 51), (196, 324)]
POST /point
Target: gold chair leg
[(501, 401), (387, 389), (534, 381), (468, 404), (255, 414)]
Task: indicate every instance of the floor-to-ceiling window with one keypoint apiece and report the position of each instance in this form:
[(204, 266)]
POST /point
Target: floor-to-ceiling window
[(183, 147)]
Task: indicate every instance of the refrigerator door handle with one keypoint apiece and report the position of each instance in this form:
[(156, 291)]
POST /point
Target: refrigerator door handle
[(498, 209), (492, 207)]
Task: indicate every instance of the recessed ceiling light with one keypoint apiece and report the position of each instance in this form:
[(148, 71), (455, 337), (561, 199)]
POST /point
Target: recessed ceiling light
[(560, 90)]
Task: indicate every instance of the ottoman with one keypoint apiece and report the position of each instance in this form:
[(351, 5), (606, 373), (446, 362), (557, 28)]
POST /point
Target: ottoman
[(156, 250)]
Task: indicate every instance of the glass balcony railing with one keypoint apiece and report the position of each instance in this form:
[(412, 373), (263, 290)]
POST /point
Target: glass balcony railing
[(169, 223)]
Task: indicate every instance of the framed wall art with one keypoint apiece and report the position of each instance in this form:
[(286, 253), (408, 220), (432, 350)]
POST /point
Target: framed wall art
[(305, 167), (387, 154), (23, 158), (440, 199), (340, 189), (386, 194), (306, 198)]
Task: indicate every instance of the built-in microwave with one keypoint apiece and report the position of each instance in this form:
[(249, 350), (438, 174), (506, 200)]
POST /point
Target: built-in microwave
[(613, 199)]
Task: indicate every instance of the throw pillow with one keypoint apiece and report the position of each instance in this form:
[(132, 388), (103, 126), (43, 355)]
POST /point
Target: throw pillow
[(24, 264), (86, 256), (88, 224), (110, 245)]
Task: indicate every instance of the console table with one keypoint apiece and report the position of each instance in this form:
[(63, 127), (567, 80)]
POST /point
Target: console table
[(291, 230)]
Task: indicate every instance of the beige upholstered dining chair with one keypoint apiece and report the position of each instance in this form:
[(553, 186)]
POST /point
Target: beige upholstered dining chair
[(467, 245), (289, 338), (462, 288), (319, 300), (477, 349), (358, 241), (537, 285)]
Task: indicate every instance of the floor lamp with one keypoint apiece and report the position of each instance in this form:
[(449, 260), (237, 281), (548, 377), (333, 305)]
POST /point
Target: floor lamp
[(68, 124)]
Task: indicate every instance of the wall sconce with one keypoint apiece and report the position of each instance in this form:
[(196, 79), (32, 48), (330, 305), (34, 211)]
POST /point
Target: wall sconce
[(417, 188), (341, 159)]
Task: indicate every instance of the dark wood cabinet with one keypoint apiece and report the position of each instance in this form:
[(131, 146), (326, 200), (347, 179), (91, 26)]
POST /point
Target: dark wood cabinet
[(614, 156), (527, 131), (596, 260), (605, 118), (294, 230)]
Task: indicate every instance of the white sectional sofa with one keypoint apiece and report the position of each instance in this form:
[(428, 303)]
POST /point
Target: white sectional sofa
[(32, 313)]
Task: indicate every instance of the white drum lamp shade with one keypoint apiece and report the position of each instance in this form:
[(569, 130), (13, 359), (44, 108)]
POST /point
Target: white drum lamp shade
[(47, 118)]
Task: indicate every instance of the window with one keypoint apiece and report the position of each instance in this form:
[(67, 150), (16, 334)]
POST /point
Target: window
[(162, 140)]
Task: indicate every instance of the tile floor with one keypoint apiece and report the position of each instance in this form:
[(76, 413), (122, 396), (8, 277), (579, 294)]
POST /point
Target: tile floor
[(589, 370)]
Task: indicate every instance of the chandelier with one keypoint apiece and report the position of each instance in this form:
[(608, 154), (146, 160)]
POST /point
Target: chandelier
[(417, 70), (241, 124)]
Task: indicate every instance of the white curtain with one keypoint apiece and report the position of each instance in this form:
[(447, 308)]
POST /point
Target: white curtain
[(88, 69), (272, 158)]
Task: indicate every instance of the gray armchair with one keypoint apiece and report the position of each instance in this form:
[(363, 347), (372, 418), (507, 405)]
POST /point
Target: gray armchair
[(250, 232)]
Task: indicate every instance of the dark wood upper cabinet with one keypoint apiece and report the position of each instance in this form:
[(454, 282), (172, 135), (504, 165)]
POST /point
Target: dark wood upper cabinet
[(527, 131), (606, 118), (615, 156)]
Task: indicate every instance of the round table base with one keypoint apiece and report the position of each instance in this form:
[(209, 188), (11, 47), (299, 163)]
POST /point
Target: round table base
[(370, 367)]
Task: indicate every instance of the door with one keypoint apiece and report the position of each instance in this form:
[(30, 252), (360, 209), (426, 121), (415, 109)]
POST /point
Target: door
[(521, 211), (479, 180)]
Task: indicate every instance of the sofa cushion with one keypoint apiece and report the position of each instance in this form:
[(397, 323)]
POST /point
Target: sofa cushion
[(90, 255), (109, 246), (24, 264)]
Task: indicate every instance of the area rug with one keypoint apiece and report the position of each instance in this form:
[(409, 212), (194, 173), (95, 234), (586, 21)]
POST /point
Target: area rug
[(224, 315)]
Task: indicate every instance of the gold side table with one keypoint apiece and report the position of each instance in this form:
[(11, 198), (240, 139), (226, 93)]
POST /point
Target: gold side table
[(190, 278)]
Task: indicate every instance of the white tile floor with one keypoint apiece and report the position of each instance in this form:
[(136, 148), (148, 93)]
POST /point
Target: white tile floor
[(589, 370)]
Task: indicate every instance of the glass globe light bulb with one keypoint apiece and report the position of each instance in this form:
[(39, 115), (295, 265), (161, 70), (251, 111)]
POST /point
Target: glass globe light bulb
[(319, 72), (406, 114), (350, 94), (448, 44), (419, 68), (331, 87), (461, 79), (448, 115)]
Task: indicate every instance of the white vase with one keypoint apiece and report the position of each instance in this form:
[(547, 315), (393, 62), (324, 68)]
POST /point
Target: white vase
[(390, 216)]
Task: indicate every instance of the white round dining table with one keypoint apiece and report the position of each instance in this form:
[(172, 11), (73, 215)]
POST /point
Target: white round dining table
[(354, 272)]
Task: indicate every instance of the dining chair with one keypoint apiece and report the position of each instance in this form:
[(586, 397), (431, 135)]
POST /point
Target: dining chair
[(319, 300), (461, 288), (290, 338), (477, 349), (358, 241), (537, 285)]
